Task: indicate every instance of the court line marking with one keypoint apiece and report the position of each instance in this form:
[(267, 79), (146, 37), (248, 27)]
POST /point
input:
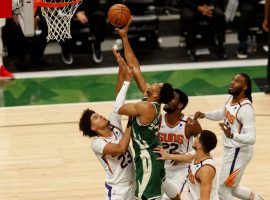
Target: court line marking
[(144, 68), (124, 118)]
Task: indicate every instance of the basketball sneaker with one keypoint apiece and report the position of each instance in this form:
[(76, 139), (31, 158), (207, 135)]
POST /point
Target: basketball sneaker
[(96, 53), (242, 50), (66, 57), (4, 73)]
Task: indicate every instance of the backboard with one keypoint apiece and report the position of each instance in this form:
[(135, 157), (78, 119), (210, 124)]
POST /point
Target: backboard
[(24, 12)]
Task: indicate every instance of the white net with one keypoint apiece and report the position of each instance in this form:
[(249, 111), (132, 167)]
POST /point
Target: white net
[(58, 18)]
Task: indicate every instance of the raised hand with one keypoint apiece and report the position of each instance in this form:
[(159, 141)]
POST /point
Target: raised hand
[(127, 71), (226, 129), (123, 31), (199, 115)]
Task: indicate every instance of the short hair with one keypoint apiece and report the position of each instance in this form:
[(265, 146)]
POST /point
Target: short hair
[(166, 93), (85, 123), (208, 140), (183, 98)]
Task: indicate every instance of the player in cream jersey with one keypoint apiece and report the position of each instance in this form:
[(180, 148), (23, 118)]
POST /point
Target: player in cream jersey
[(194, 185), (202, 182), (176, 138), (239, 137), (109, 143)]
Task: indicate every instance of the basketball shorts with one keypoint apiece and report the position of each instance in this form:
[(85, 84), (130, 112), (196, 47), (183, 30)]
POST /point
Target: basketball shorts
[(234, 163), (123, 191), (150, 173), (178, 178)]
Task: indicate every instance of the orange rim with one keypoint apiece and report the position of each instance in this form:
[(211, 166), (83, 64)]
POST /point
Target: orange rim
[(40, 3)]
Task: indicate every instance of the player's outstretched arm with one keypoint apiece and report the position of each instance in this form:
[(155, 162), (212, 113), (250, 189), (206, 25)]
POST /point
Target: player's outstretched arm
[(125, 72), (164, 155), (121, 147), (131, 58)]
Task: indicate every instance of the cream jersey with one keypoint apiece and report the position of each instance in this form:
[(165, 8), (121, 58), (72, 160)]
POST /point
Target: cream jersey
[(240, 118), (174, 140), (119, 169), (194, 184)]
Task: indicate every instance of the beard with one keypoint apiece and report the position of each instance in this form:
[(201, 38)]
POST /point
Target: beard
[(167, 108), (235, 92)]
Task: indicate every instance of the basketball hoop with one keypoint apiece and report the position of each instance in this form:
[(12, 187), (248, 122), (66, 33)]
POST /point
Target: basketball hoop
[(58, 14)]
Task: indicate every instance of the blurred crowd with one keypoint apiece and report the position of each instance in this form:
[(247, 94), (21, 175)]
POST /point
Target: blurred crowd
[(210, 16)]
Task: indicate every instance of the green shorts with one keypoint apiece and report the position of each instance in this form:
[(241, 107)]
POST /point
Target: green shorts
[(150, 173)]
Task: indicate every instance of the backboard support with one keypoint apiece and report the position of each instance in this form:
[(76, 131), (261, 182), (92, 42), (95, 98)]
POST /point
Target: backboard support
[(24, 12)]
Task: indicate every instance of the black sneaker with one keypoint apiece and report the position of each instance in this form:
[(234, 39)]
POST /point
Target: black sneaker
[(242, 51), (66, 57), (96, 54)]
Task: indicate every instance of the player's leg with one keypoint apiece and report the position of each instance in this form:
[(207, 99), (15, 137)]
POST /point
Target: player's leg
[(170, 190), (238, 191), (3, 72), (150, 174), (224, 189), (178, 178), (245, 193)]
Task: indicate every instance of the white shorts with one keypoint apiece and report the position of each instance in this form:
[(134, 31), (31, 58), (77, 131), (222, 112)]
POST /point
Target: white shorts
[(178, 178), (234, 163), (2, 22), (120, 191)]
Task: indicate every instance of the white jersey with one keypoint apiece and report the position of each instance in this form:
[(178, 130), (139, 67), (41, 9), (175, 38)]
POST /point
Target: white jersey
[(174, 140), (194, 184), (240, 118), (231, 118), (119, 169)]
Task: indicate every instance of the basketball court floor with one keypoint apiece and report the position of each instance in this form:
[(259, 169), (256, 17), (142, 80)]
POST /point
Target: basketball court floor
[(43, 154)]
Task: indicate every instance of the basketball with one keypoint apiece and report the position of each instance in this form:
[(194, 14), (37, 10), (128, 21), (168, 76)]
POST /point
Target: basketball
[(119, 15)]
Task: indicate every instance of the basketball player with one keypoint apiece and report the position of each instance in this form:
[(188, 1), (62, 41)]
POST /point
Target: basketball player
[(238, 139), (111, 146), (176, 137), (202, 183), (4, 73), (150, 173)]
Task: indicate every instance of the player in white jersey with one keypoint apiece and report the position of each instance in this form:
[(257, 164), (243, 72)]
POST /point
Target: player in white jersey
[(111, 145), (202, 183), (238, 139), (176, 137)]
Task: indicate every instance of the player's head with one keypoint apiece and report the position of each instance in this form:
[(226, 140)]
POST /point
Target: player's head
[(241, 84), (160, 92), (91, 123), (178, 103), (205, 141)]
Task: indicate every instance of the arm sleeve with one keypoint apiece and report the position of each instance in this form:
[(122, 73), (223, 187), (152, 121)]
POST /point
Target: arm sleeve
[(216, 115), (115, 118), (98, 145), (248, 131)]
